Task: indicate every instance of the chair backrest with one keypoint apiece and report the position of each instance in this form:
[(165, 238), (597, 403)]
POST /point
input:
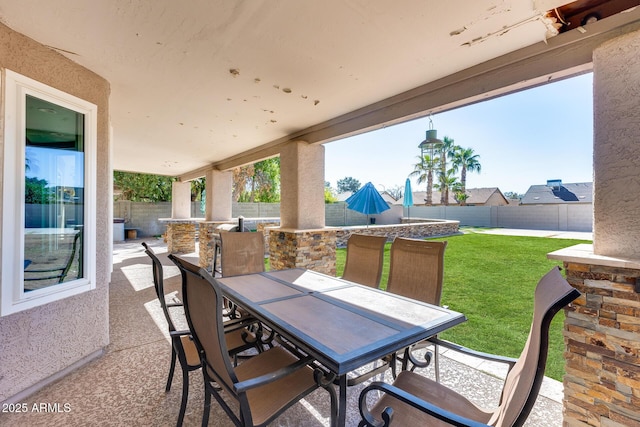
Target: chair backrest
[(365, 255), (241, 253), (58, 273), (416, 269), (203, 307), (158, 283), (523, 382)]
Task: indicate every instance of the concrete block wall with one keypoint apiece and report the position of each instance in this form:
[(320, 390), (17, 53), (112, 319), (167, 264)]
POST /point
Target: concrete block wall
[(578, 217)]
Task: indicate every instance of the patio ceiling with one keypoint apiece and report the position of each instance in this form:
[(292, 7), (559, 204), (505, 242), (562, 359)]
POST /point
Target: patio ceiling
[(201, 86)]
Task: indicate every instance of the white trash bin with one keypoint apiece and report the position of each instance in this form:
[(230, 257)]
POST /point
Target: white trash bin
[(118, 229)]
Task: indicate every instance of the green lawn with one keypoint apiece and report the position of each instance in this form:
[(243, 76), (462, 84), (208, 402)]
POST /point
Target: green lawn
[(491, 279)]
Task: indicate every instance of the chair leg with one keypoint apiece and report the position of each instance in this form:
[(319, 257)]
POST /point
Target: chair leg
[(185, 395), (171, 370), (207, 407), (436, 361)]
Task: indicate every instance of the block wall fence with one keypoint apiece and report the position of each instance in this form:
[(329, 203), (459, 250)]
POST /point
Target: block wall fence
[(579, 217)]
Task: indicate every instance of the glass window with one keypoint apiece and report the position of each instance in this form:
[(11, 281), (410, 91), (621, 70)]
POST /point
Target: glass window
[(53, 195), (49, 195)]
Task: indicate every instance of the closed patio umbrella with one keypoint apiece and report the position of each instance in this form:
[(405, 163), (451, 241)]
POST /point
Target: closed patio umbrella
[(367, 200), (407, 201)]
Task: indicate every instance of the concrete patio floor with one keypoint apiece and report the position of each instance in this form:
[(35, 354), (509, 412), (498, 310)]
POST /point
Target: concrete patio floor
[(126, 385)]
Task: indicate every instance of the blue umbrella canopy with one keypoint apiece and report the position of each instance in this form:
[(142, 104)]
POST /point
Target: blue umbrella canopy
[(407, 201), (367, 200)]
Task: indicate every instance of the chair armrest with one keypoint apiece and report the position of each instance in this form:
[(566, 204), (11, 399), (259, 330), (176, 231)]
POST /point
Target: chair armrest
[(486, 356), (409, 399), (245, 385), (238, 323), (178, 334)]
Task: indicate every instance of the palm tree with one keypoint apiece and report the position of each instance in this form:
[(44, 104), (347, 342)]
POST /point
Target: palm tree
[(424, 171), (447, 148), (464, 159), (446, 181)]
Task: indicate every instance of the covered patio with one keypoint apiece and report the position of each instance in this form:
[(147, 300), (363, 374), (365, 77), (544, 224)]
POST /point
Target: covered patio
[(196, 91), (126, 385)]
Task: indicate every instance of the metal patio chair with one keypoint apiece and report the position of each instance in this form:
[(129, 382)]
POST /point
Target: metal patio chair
[(365, 255), (241, 253), (183, 348), (413, 399), (416, 271), (263, 386)]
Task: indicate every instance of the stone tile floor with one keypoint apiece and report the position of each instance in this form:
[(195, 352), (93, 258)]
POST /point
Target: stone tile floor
[(126, 385)]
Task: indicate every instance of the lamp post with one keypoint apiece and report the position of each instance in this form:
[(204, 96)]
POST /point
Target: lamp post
[(429, 145)]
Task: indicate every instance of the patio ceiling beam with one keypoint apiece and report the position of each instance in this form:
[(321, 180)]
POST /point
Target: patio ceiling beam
[(562, 56)]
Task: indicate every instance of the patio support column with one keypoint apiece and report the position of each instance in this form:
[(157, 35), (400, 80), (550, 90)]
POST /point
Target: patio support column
[(602, 328), (181, 200), (218, 210), (302, 186), (181, 230), (219, 190), (302, 239)]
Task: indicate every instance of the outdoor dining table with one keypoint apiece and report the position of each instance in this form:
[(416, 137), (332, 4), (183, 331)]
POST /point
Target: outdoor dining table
[(343, 325)]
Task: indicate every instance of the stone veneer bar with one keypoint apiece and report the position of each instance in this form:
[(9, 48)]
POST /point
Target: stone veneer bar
[(602, 335), (180, 235), (311, 249), (416, 229)]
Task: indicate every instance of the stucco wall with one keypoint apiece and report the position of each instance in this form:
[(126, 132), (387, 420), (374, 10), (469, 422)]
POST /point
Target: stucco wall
[(39, 343), (616, 150)]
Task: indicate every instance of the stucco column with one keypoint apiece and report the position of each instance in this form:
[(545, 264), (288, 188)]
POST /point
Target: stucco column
[(302, 186), (181, 200), (302, 239), (219, 190), (616, 183)]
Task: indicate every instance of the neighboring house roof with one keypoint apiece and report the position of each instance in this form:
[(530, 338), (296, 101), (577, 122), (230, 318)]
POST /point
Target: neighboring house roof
[(482, 196), (388, 197), (477, 196), (419, 198), (581, 192)]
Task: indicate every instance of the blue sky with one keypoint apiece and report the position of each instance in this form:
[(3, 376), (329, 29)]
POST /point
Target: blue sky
[(523, 139)]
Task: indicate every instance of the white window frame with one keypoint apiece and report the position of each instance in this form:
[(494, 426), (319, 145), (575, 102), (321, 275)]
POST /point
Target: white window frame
[(12, 296)]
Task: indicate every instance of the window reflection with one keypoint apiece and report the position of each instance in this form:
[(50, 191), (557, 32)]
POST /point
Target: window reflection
[(54, 194)]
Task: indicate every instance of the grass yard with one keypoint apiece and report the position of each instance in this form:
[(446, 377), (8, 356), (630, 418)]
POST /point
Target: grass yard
[(491, 279)]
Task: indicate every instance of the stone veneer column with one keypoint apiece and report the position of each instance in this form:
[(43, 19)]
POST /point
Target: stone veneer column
[(218, 210), (302, 240), (181, 235), (207, 242), (602, 332)]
